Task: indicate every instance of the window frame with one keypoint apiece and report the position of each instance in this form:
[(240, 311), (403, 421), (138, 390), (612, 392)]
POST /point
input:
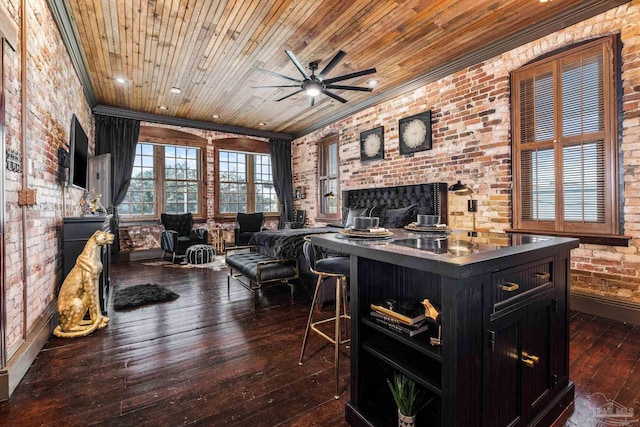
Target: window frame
[(607, 46), (323, 147), (246, 146), (160, 182)]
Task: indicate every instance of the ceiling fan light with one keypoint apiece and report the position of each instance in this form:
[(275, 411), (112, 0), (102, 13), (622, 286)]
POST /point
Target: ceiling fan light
[(313, 91), (313, 88)]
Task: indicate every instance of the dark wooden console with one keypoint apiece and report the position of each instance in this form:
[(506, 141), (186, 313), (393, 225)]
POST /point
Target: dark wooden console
[(504, 353), (75, 234)]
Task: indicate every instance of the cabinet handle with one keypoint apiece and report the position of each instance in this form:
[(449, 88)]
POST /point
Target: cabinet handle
[(541, 275), (530, 360), (492, 340), (509, 286)]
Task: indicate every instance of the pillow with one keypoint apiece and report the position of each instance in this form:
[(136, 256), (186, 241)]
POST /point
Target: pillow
[(378, 211), (348, 215), (398, 218)]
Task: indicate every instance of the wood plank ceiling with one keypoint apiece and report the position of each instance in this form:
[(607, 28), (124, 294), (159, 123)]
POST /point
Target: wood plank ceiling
[(208, 48)]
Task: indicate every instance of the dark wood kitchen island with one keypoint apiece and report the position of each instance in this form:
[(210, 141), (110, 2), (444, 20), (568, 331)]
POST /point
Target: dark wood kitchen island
[(503, 357)]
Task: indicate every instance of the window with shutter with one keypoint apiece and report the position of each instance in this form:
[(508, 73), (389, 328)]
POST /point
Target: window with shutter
[(565, 142)]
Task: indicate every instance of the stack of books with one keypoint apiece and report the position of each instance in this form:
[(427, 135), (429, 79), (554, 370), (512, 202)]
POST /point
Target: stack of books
[(404, 317)]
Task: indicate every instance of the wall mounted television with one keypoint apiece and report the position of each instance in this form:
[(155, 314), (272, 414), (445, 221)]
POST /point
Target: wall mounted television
[(79, 154)]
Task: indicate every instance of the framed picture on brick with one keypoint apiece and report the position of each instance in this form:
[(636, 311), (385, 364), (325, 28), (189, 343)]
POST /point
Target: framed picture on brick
[(372, 144), (415, 133)]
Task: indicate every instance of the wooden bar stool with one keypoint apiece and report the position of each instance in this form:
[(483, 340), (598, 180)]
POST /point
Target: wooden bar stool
[(338, 268)]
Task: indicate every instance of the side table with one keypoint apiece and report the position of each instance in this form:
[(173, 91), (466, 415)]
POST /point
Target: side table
[(217, 240)]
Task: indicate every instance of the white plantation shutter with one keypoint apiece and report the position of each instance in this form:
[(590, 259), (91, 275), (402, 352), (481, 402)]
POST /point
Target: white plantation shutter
[(564, 142)]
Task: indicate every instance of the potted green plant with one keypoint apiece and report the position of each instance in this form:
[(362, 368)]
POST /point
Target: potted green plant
[(407, 397)]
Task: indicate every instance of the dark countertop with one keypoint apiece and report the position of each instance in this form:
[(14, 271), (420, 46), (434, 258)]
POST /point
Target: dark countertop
[(458, 254)]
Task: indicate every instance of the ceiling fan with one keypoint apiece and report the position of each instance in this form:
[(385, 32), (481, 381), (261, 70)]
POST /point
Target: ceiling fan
[(314, 84)]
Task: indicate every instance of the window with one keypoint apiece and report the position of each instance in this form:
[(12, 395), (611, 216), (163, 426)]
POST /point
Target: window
[(181, 180), (140, 199), (565, 142), (265, 193), (246, 183), (165, 179), (328, 190)]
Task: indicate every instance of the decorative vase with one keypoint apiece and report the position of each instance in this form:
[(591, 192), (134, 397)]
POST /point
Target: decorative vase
[(405, 421)]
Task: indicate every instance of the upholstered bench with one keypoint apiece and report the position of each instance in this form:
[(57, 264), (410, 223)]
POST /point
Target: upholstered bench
[(253, 270)]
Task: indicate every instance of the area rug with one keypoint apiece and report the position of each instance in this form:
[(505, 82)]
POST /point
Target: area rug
[(216, 265), (138, 295)]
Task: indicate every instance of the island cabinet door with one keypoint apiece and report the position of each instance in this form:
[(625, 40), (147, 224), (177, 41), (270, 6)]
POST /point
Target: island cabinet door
[(538, 352), (518, 380), (502, 379)]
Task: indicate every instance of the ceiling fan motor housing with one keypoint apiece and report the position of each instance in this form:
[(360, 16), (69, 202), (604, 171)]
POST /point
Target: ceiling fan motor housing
[(314, 85)]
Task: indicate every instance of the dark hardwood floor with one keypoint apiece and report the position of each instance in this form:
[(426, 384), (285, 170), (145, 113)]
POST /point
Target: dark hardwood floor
[(209, 359)]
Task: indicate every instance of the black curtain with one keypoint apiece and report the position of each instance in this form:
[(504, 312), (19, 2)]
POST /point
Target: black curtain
[(118, 136), (280, 151)]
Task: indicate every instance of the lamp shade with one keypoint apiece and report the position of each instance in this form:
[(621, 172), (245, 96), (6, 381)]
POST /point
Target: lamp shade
[(460, 189)]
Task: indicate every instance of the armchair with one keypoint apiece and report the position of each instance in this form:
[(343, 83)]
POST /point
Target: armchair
[(179, 234), (248, 225), (299, 220)]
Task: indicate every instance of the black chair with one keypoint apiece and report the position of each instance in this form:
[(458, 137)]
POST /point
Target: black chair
[(337, 267), (179, 234), (248, 225), (299, 220)]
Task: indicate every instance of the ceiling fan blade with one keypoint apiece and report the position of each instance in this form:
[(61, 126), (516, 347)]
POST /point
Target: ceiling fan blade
[(258, 87), (350, 76), (291, 94), (312, 101), (330, 66), (293, 59), (334, 96), (361, 89), (277, 74)]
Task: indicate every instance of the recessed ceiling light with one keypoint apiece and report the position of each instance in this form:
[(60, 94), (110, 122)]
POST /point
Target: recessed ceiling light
[(121, 80), (163, 107), (175, 90), (216, 116), (262, 124), (372, 83)]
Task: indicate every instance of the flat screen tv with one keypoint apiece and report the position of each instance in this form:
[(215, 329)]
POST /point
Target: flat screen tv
[(79, 152)]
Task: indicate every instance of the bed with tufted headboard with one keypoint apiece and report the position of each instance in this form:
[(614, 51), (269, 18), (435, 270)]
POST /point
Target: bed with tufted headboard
[(416, 199), (395, 206)]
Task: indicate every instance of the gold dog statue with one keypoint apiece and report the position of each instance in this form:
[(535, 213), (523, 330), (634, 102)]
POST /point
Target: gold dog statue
[(79, 292)]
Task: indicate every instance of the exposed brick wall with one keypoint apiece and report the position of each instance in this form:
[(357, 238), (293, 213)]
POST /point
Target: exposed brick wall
[(471, 142), (54, 94), (147, 236)]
